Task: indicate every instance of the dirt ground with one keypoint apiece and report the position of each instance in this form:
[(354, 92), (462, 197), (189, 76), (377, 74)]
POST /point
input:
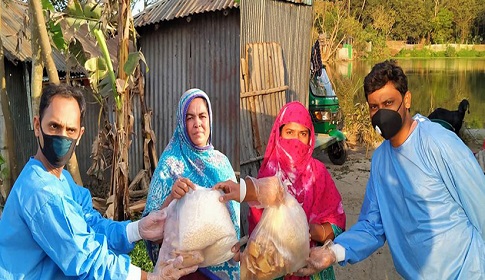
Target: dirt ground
[(351, 179)]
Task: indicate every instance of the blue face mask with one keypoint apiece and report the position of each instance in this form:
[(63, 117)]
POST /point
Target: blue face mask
[(57, 149)]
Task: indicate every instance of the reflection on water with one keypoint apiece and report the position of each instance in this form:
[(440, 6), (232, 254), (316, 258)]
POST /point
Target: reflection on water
[(434, 83)]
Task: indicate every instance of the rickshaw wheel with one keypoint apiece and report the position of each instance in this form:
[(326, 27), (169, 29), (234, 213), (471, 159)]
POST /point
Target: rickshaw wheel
[(337, 153)]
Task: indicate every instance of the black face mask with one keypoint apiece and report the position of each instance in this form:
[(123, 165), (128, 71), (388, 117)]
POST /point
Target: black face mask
[(387, 122), (57, 149)]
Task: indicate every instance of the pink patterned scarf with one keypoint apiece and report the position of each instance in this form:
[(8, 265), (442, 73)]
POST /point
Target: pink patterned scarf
[(312, 184)]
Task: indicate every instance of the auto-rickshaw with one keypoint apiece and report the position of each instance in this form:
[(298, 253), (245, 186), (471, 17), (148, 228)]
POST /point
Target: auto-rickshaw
[(327, 119)]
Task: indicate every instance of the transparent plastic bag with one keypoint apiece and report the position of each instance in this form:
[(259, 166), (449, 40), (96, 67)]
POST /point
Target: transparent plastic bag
[(279, 244), (199, 222)]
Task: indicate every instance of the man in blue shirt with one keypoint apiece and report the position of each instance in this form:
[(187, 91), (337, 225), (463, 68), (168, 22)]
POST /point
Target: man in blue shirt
[(49, 229), (424, 196)]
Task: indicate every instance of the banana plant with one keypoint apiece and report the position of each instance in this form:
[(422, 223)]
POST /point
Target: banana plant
[(102, 20)]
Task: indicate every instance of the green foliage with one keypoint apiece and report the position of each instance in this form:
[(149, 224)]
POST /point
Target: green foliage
[(383, 19), (330, 19), (377, 39), (133, 61), (442, 26), (353, 28), (4, 172), (415, 53), (422, 21), (474, 123), (379, 49), (469, 53), (358, 127), (412, 19), (358, 124), (111, 79), (86, 13), (139, 257), (76, 49), (54, 28), (449, 52), (464, 13), (97, 68), (98, 72)]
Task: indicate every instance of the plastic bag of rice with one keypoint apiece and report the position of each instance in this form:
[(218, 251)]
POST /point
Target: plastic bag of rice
[(199, 222)]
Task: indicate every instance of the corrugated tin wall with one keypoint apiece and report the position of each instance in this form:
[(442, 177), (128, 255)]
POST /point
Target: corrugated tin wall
[(288, 24), (83, 150), (18, 97), (197, 51)]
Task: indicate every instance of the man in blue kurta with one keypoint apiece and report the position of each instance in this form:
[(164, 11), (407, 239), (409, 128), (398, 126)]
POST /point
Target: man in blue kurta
[(49, 229), (425, 194)]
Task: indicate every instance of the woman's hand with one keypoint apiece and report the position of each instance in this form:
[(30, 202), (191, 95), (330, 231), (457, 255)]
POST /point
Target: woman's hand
[(181, 187), (237, 248), (321, 232)]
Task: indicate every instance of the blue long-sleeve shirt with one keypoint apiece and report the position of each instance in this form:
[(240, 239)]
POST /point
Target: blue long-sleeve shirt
[(49, 230), (426, 198)]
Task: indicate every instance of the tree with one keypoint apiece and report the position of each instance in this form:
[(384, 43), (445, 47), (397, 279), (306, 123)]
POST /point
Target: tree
[(119, 185), (328, 20), (412, 19), (465, 12), (442, 26), (105, 20), (383, 19), (39, 31)]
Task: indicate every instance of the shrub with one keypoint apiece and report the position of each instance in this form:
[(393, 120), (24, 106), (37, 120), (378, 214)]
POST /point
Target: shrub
[(139, 257), (450, 52)]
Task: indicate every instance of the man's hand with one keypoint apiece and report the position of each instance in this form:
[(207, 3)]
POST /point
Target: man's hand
[(231, 191), (320, 258), (171, 270), (269, 190), (152, 226)]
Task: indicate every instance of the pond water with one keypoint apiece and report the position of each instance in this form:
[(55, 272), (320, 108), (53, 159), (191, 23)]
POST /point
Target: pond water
[(434, 83)]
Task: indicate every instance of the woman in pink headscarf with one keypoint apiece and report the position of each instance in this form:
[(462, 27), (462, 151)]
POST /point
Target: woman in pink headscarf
[(289, 150)]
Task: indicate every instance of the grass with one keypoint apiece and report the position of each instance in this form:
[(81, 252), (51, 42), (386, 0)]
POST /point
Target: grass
[(357, 125), (449, 52), (139, 257)]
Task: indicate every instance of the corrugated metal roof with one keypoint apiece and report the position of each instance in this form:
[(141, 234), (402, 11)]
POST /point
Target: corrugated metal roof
[(16, 38), (306, 2), (166, 10), (13, 15)]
